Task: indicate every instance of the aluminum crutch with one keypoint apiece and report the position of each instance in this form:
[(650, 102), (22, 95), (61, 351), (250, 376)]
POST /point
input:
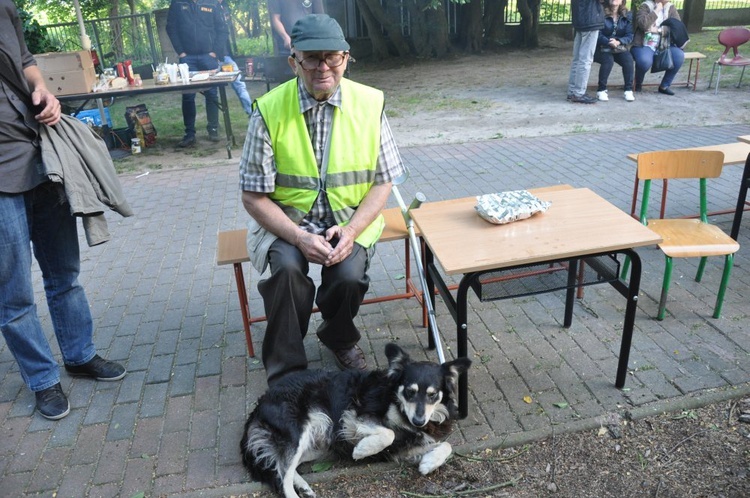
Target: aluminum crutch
[(419, 198)]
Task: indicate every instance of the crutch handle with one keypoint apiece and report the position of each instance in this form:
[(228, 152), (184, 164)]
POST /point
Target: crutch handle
[(419, 198)]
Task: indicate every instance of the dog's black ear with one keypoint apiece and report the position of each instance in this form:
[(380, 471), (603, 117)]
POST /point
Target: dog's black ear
[(397, 359), (457, 366), (451, 371)]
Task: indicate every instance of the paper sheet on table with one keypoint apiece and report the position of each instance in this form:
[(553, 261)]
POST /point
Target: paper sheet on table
[(510, 206)]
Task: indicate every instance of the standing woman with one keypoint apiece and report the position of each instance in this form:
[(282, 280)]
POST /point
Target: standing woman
[(648, 32), (611, 47)]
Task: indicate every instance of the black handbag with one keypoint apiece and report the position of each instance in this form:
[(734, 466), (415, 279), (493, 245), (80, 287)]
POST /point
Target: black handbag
[(662, 61), (663, 56)]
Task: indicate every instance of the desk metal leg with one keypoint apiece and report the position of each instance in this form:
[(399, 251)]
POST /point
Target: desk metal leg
[(570, 293), (462, 339), (458, 309), (227, 120), (741, 198), (627, 327)]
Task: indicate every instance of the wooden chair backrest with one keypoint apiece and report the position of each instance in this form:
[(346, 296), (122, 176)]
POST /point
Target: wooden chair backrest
[(680, 164)]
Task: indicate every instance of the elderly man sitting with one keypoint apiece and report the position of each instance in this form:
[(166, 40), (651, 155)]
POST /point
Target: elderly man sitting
[(315, 173)]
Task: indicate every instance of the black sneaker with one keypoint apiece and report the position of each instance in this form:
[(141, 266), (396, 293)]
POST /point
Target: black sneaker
[(583, 99), (213, 136), (187, 141), (51, 403), (666, 91), (98, 368)]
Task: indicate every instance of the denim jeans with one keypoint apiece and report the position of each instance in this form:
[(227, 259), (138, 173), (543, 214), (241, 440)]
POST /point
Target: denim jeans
[(40, 218), (584, 45), (240, 88), (200, 63), (607, 61), (644, 57)]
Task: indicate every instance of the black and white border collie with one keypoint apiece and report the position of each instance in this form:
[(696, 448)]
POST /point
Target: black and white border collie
[(401, 413)]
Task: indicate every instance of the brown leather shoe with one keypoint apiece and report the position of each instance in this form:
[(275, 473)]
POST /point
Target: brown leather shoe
[(350, 359)]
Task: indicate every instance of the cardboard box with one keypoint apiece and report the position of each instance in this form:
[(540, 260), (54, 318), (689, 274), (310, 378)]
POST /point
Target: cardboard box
[(71, 82), (66, 73), (63, 62)]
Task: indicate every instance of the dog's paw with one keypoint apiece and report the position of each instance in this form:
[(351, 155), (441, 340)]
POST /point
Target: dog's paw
[(435, 458), (301, 488), (373, 444), (306, 493)]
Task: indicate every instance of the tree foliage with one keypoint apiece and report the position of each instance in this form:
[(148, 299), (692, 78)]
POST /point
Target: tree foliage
[(34, 33)]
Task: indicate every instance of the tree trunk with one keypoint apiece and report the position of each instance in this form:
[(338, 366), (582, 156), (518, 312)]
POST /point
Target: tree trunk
[(255, 20), (377, 39), (429, 29), (692, 15), (529, 10), (378, 20), (471, 30), (116, 31), (494, 19)]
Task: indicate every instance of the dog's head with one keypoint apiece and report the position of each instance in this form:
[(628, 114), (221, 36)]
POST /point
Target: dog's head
[(425, 391)]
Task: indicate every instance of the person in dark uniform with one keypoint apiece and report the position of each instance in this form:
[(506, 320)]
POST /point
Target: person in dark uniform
[(198, 34)]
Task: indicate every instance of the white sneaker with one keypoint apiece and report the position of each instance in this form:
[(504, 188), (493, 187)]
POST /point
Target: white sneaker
[(629, 96), (602, 96)]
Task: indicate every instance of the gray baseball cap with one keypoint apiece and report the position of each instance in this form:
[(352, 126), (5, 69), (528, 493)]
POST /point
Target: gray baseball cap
[(316, 32)]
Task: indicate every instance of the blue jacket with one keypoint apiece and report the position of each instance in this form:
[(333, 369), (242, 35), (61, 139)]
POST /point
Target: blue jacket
[(623, 32), (588, 15)]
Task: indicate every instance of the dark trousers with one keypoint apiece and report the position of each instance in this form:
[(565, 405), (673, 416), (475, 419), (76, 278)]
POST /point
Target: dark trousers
[(200, 63), (606, 61), (288, 300)]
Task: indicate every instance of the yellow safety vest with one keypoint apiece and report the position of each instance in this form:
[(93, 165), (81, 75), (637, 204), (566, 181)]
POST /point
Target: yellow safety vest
[(353, 153)]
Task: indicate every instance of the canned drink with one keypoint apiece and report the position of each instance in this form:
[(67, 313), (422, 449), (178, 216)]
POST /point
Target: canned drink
[(135, 145), (249, 68)]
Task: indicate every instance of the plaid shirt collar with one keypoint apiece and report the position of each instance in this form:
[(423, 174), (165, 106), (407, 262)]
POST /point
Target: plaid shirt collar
[(307, 101)]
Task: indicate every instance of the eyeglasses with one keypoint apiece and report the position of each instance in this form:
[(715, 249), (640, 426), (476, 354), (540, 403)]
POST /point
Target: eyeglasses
[(312, 63)]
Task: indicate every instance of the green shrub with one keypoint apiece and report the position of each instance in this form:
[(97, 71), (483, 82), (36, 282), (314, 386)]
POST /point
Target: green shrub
[(261, 45)]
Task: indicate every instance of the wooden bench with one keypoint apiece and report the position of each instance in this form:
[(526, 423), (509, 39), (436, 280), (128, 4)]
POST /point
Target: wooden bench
[(734, 153), (232, 249), (692, 77)]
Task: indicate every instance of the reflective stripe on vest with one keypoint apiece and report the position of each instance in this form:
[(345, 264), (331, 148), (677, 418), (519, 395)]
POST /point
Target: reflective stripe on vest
[(354, 147)]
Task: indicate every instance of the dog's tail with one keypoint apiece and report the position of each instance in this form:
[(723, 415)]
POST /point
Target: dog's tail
[(259, 454)]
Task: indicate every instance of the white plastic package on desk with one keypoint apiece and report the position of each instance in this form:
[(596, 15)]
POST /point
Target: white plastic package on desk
[(506, 207)]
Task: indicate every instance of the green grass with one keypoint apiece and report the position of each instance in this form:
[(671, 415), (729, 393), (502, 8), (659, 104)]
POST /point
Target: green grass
[(165, 110)]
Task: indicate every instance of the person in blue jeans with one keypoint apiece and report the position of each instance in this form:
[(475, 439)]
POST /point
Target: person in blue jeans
[(612, 47), (648, 32), (198, 34), (36, 215), (588, 19), (238, 85)]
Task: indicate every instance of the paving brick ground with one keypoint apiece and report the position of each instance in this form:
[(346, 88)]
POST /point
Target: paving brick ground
[(164, 309)]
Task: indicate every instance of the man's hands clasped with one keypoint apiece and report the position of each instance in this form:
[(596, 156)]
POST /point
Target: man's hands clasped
[(328, 250)]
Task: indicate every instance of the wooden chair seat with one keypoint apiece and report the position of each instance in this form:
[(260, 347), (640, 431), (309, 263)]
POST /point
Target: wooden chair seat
[(692, 238), (686, 238)]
